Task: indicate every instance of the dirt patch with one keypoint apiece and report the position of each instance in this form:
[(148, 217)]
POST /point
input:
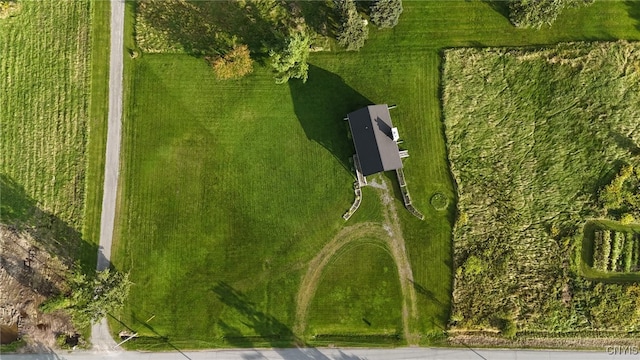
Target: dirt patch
[(28, 276), (390, 233), (8, 334)]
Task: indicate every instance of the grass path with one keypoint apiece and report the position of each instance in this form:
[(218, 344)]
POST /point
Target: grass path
[(399, 253), (390, 234)]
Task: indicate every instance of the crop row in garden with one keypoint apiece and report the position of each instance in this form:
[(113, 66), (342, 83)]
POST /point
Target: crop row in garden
[(616, 250)]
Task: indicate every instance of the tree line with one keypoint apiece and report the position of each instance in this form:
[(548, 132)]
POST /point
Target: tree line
[(294, 38), (288, 57)]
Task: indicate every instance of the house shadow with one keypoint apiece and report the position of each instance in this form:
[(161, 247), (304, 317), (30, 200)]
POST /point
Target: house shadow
[(321, 104), (21, 213), (395, 187)]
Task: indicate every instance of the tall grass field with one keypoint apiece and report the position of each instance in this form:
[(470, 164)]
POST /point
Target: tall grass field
[(533, 137)]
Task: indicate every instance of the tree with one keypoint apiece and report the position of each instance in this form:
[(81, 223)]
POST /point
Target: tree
[(234, 64), (291, 60), (536, 13), (90, 298), (385, 13), (353, 30)]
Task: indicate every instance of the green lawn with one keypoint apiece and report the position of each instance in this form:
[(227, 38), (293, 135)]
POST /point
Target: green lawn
[(214, 192), (51, 126), (230, 188), (358, 297)]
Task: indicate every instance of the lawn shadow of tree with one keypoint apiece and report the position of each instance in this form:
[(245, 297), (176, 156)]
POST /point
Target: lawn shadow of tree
[(320, 16), (31, 276), (321, 104), (158, 338), (269, 330), (425, 292), (625, 142), (633, 7), (210, 27), (20, 212), (499, 6)]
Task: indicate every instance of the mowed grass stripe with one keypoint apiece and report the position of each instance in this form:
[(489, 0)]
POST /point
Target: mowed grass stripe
[(44, 113), (98, 110), (210, 197)]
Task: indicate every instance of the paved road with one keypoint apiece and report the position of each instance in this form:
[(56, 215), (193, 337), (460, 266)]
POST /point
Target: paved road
[(100, 337), (338, 354)]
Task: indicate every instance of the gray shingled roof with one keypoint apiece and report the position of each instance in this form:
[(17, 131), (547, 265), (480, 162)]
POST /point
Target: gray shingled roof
[(371, 132)]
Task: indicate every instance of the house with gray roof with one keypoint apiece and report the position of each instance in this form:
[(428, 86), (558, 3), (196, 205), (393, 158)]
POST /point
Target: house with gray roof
[(375, 139)]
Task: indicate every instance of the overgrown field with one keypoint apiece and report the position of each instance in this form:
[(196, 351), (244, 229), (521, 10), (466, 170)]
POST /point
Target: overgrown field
[(45, 82), (534, 136)]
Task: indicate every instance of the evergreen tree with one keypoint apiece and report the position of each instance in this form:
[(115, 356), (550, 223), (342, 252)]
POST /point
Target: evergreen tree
[(385, 13), (353, 29), (291, 60)]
